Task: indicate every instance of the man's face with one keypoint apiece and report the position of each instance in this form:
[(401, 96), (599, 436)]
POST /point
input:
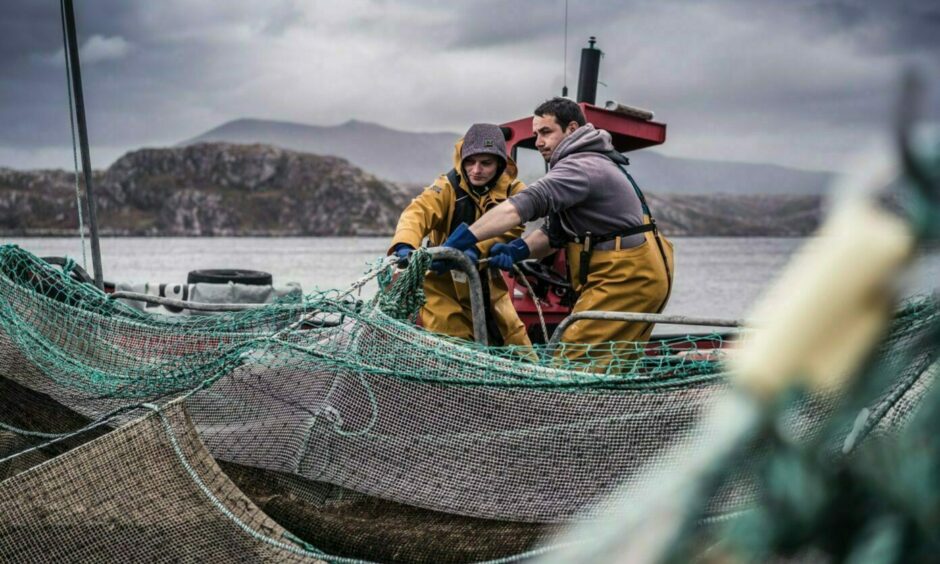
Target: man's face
[(548, 134), (480, 169)]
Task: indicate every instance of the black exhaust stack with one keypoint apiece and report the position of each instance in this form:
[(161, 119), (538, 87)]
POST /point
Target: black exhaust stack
[(587, 77)]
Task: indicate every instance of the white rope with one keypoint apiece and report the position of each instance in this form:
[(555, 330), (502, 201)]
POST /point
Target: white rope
[(535, 299), (357, 285), (374, 272), (525, 282)]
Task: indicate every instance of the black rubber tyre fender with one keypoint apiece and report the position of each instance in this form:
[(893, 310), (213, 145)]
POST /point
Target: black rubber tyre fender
[(226, 275), (543, 272), (78, 273)]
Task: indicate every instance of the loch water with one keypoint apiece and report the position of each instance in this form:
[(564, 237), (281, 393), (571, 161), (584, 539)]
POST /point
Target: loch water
[(715, 276)]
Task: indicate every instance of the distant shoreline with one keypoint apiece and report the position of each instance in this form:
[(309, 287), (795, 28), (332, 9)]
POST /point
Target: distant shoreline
[(225, 190)]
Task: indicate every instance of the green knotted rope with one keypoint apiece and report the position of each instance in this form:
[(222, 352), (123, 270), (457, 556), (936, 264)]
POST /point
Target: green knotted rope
[(402, 291)]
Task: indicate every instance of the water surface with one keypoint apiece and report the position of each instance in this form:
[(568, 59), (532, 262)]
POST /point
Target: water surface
[(715, 276)]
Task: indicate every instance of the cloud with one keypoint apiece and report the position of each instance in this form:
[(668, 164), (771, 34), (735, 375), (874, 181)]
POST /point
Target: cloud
[(99, 48), (879, 27), (96, 49), (794, 83)]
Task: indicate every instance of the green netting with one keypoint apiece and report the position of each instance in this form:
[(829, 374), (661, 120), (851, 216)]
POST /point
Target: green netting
[(138, 353), (344, 414), (876, 502)]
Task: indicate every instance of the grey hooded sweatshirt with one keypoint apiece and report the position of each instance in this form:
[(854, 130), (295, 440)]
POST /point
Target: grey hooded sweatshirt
[(591, 191)]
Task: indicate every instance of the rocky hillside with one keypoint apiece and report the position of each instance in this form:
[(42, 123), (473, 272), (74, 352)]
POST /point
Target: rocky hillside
[(38, 202), (208, 189), (223, 189), (733, 215)]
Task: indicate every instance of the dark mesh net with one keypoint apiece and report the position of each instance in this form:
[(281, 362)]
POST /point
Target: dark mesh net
[(362, 434)]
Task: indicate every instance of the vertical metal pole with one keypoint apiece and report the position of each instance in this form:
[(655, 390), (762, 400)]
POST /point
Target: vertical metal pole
[(564, 76), (83, 139)]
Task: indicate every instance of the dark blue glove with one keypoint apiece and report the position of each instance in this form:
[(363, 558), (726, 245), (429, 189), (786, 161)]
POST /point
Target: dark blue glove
[(473, 254), (403, 252), (461, 239), (504, 255), (442, 266)]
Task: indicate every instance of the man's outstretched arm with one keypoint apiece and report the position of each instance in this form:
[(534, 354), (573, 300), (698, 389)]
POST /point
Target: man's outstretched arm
[(497, 221), (537, 241)]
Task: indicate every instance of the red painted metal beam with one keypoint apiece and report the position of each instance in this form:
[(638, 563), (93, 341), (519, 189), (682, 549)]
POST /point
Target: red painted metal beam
[(628, 133)]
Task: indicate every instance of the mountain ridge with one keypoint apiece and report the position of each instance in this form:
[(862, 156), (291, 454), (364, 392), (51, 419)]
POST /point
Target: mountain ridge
[(419, 157), (399, 156)]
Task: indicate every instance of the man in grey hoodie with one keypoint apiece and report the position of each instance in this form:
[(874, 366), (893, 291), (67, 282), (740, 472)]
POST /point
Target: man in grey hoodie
[(617, 260)]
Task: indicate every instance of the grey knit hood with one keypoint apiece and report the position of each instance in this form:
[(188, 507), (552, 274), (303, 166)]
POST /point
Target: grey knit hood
[(584, 139), (484, 138)]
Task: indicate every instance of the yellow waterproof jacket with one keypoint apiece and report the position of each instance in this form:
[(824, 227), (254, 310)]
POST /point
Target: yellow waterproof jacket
[(429, 215)]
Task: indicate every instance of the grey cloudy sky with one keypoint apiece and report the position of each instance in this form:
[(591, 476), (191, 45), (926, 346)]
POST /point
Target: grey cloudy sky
[(801, 83)]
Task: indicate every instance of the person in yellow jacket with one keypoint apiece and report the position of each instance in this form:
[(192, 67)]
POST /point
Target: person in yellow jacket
[(618, 260), (483, 177)]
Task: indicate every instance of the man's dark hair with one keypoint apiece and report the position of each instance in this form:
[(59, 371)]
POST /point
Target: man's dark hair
[(564, 110)]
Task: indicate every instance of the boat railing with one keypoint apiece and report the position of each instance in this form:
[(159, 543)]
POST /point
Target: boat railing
[(466, 266), (475, 285), (182, 304), (632, 317), (457, 258)]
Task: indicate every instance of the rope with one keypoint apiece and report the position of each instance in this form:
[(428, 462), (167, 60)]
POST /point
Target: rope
[(194, 476), (68, 87), (28, 433), (374, 272), (59, 437), (538, 308), (530, 554), (525, 282)]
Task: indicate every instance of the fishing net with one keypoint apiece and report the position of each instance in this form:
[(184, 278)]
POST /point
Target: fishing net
[(154, 483), (360, 433), (876, 502)]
